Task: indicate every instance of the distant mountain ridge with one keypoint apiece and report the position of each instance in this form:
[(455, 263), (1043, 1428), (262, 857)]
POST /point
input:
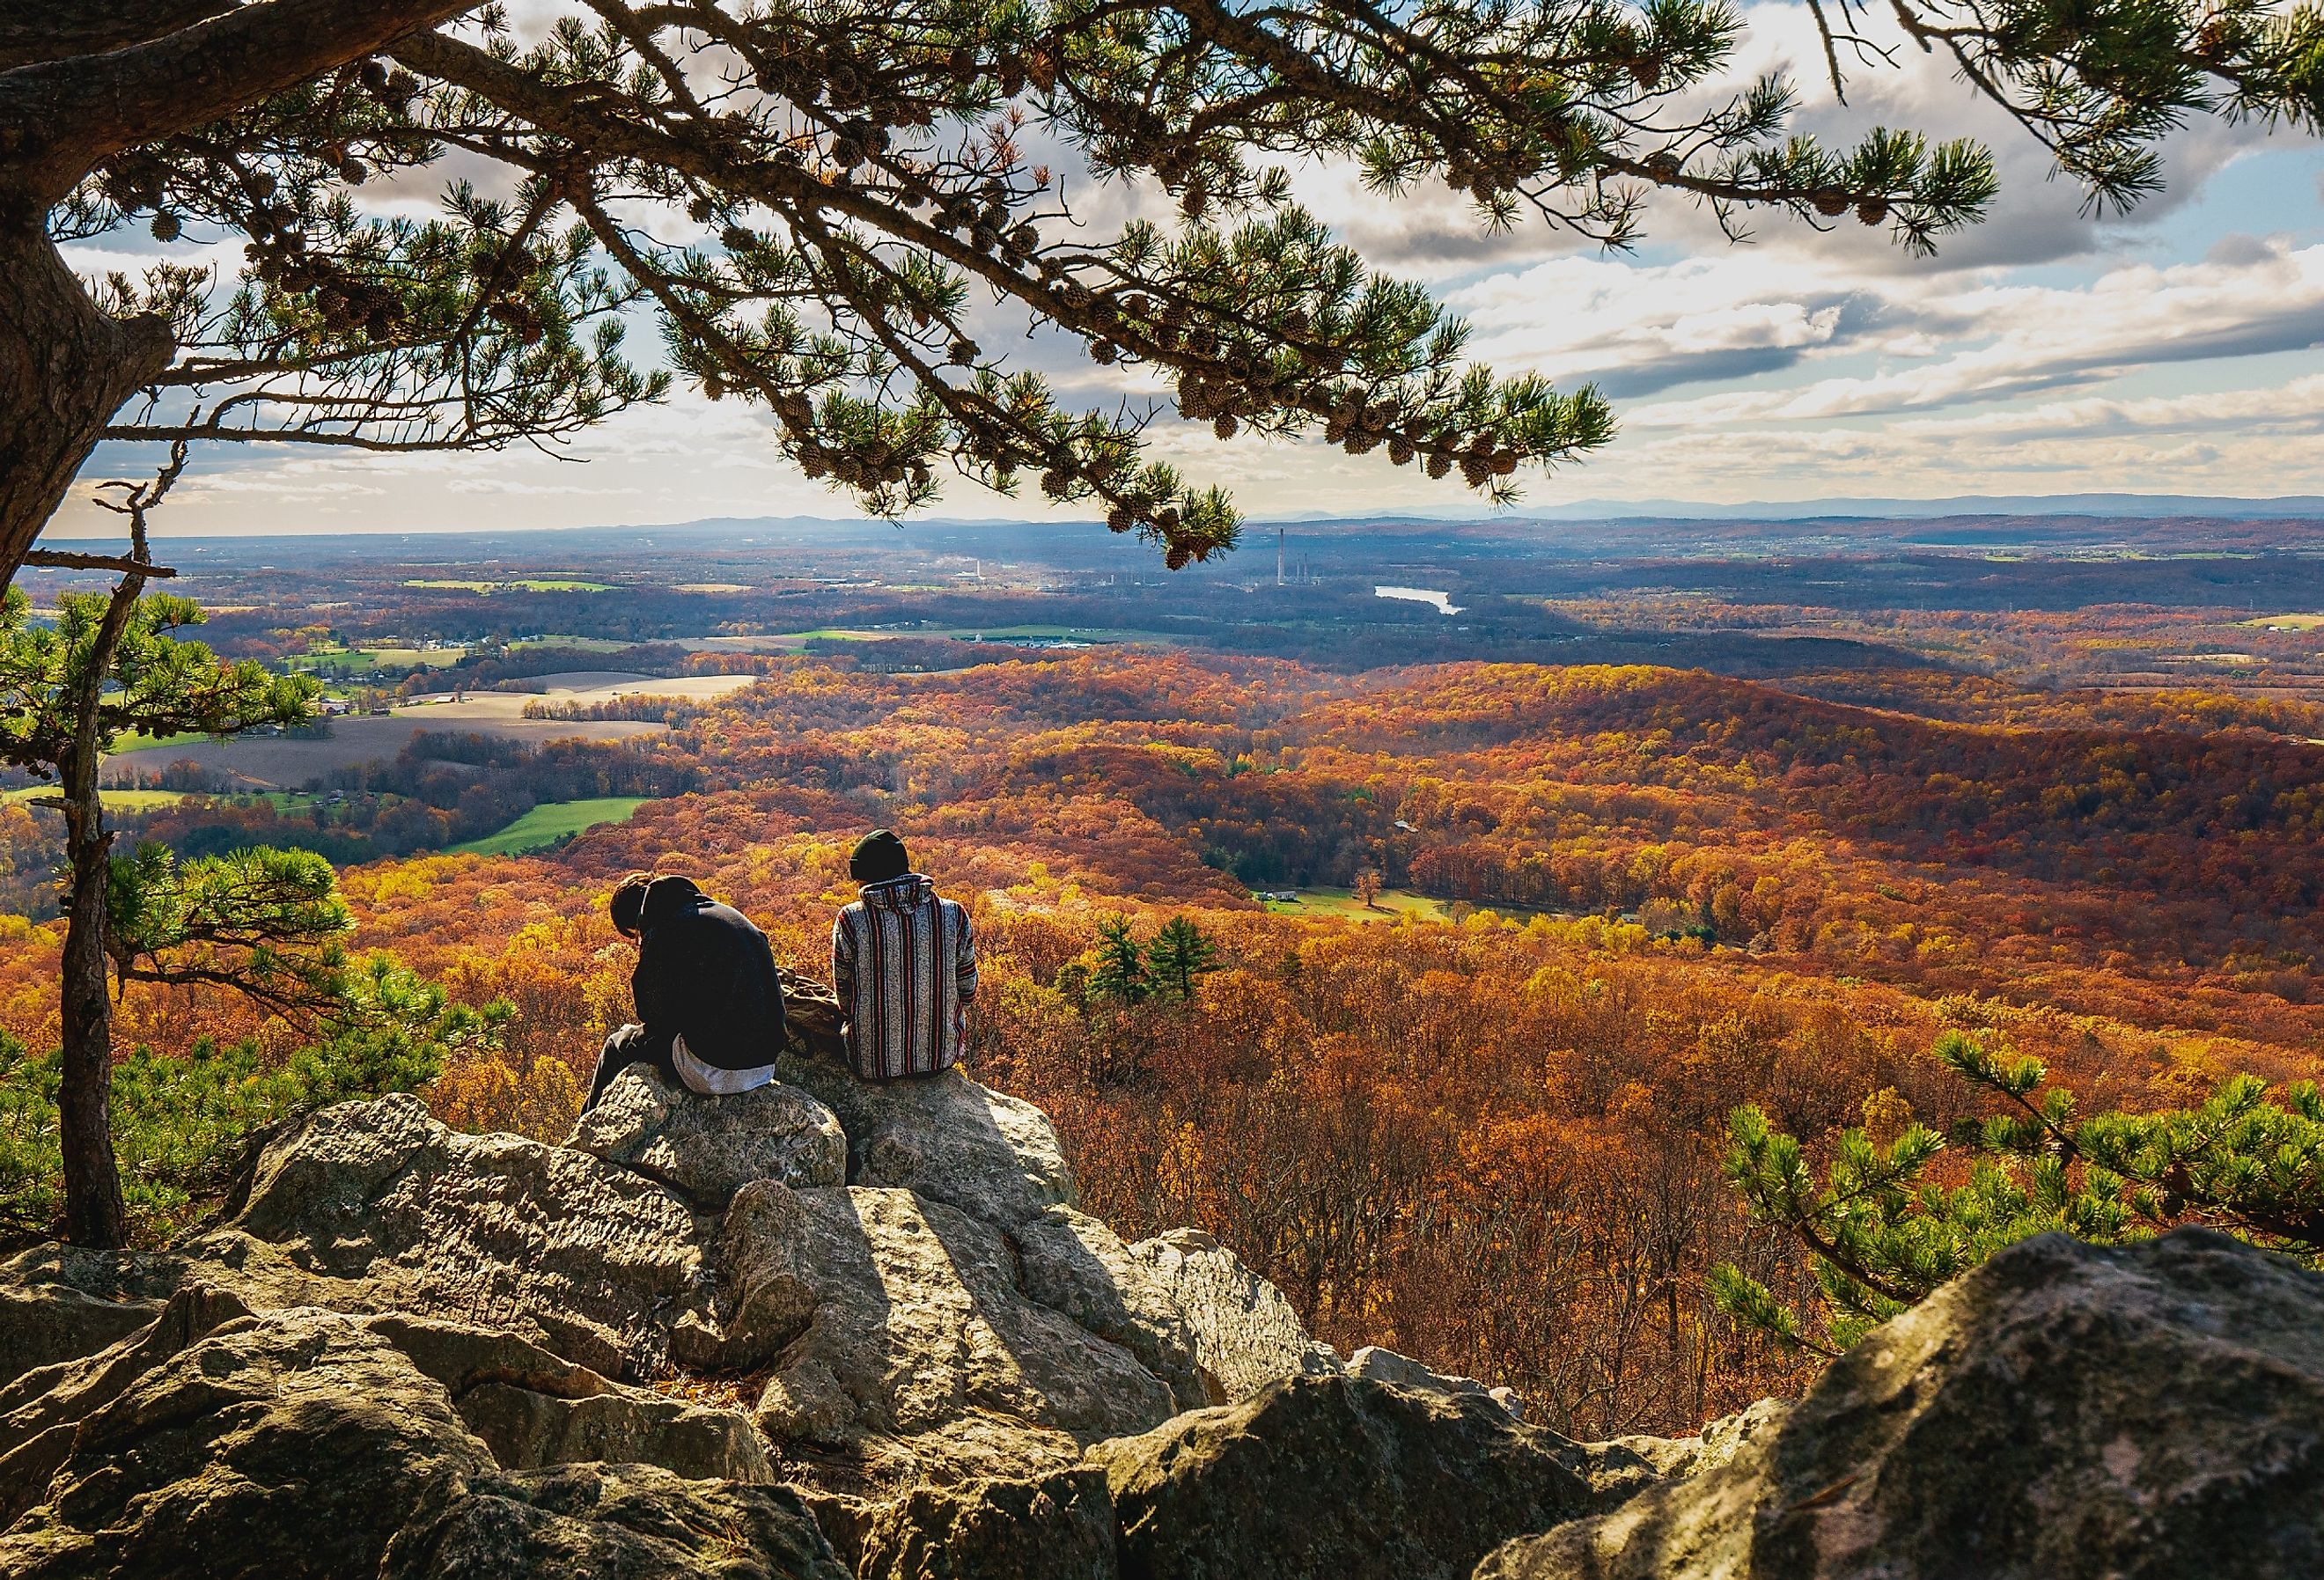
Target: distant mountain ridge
[(2291, 506), (2118, 507)]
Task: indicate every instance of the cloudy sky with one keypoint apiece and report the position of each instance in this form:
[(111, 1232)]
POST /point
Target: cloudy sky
[(2171, 351)]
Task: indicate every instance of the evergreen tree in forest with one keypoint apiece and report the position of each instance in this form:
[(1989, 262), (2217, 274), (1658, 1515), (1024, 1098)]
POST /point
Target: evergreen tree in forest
[(1179, 953), (184, 1122), (267, 924), (1120, 974), (1882, 1235)]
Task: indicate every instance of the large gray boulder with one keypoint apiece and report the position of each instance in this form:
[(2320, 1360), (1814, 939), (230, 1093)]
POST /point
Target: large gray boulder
[(1071, 1262), (1383, 1365), (1246, 1334), (2063, 1412), (1059, 1526), (898, 1337), (41, 1412), (57, 1302), (534, 1408), (1717, 1444), (706, 1148), (580, 1256), (1335, 1478), (992, 1156)]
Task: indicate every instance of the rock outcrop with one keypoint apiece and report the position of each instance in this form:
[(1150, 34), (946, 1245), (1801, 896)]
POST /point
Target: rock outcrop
[(706, 1148), (58, 1302), (1245, 1334), (1335, 1478), (391, 1211), (944, 1137), (1057, 1528), (613, 1523), (296, 1443), (2061, 1413), (899, 1335), (970, 1325), (1403, 1371), (826, 1331)]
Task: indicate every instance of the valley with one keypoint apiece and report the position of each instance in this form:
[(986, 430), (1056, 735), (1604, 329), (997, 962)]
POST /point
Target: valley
[(1513, 894)]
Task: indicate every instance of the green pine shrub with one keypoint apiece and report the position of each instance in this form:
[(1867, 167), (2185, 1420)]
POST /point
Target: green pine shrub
[(1882, 1234), (181, 1122)]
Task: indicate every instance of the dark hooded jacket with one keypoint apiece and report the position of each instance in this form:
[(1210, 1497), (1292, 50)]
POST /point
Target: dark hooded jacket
[(705, 973)]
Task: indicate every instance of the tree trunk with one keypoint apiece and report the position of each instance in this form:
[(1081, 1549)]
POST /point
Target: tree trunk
[(93, 1213), (65, 369)]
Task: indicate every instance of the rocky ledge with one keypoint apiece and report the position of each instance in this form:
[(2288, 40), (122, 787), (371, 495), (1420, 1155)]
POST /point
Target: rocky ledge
[(828, 1330)]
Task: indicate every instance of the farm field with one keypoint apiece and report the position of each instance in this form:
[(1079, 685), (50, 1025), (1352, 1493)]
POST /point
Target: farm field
[(544, 583), (136, 742), (546, 824), (349, 661), (1391, 904), (116, 801), (286, 763)]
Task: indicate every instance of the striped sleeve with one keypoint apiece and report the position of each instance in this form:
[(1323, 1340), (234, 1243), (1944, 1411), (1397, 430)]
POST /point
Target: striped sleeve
[(843, 959), (843, 974), (964, 954)]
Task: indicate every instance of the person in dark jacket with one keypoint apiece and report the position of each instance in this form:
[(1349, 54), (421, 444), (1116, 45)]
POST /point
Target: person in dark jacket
[(709, 999)]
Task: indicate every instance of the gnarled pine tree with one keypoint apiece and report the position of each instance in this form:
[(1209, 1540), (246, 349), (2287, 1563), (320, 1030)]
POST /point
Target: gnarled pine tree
[(110, 665), (851, 173)]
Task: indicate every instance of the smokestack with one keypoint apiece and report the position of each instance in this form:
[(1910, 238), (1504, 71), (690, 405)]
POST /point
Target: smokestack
[(1279, 557)]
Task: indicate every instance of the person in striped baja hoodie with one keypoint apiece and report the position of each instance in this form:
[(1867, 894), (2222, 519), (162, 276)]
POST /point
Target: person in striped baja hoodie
[(903, 961)]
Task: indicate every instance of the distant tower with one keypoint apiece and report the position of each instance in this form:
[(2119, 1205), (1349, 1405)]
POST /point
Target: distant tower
[(1279, 557)]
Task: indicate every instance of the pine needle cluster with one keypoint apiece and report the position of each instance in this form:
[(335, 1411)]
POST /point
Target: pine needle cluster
[(1882, 1234)]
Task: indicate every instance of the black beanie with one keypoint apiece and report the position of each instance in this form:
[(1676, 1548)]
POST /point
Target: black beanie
[(879, 856)]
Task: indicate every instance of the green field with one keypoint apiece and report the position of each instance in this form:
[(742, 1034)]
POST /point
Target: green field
[(552, 821), (1342, 902), (118, 800), (362, 661), (135, 743)]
